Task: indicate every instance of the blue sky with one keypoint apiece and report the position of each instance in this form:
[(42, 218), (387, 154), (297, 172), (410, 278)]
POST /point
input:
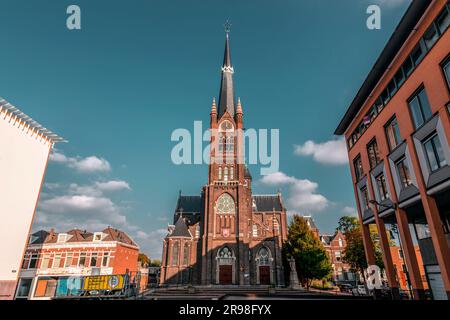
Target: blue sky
[(137, 70)]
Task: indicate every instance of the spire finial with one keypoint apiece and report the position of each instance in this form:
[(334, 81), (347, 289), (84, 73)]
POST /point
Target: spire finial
[(227, 26)]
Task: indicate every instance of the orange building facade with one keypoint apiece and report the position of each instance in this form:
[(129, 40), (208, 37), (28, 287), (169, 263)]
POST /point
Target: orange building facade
[(52, 256), (397, 130)]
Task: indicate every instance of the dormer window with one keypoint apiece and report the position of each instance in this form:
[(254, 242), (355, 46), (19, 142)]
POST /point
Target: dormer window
[(62, 237), (98, 236)]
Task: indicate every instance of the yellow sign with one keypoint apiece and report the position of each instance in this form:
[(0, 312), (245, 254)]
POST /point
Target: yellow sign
[(114, 282)]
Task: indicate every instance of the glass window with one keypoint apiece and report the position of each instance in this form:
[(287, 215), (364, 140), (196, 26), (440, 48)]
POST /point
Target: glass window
[(24, 287), (385, 97), (82, 260), (105, 260), (69, 259), (393, 134), (379, 104), (357, 163), (33, 261), (434, 153), (365, 198), (392, 87), (382, 188), (186, 254), (225, 174), (446, 69), (56, 260), (417, 55), (443, 21), (225, 204), (220, 173), (175, 254), (431, 36), (45, 261), (374, 155), (408, 66), (420, 108), (231, 173), (404, 173), (399, 77), (94, 258)]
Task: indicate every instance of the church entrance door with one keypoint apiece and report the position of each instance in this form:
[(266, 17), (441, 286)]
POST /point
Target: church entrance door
[(225, 274), (264, 275)]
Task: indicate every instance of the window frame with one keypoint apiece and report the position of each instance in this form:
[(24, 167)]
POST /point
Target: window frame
[(358, 173), (376, 151), (443, 64), (384, 193), (386, 127), (416, 95), (403, 162), (430, 139)]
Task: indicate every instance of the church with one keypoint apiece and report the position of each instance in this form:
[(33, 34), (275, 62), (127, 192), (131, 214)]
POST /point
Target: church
[(226, 236)]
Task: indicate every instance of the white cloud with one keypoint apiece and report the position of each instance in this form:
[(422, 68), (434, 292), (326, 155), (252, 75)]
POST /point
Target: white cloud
[(113, 185), (89, 164), (303, 196), (333, 152), (351, 211)]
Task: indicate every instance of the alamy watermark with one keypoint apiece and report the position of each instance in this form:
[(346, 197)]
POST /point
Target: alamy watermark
[(249, 146)]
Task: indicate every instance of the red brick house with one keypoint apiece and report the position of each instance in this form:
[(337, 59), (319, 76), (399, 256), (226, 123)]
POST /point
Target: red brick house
[(227, 235), (335, 246), (51, 256)]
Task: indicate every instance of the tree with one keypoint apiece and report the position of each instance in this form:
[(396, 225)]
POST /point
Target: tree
[(347, 223), (311, 259), (354, 253), (143, 259), (155, 263)]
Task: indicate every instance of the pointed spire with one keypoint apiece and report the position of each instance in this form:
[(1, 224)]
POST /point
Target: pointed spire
[(213, 107), (226, 97), (239, 107)]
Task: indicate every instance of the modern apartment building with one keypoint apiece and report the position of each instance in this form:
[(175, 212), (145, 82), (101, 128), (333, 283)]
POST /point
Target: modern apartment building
[(25, 146), (397, 129), (52, 260)]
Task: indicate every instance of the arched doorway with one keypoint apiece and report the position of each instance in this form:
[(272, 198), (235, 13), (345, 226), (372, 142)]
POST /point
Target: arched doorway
[(225, 266), (263, 265)]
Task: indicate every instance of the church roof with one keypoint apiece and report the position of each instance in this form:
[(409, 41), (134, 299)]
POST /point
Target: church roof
[(189, 204), (181, 229), (310, 222), (226, 95), (265, 203)]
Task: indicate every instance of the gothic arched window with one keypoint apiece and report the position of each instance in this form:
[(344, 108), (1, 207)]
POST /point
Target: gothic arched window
[(226, 126), (222, 143), (175, 250), (225, 204), (229, 143), (231, 173), (220, 173), (186, 254), (225, 174), (263, 256)]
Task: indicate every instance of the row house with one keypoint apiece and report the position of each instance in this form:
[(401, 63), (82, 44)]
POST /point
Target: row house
[(52, 258)]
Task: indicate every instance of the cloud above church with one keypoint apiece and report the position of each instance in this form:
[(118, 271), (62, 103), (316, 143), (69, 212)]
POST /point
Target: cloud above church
[(332, 152), (89, 164), (302, 193)]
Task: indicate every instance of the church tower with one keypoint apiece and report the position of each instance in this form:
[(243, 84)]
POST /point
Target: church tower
[(226, 236)]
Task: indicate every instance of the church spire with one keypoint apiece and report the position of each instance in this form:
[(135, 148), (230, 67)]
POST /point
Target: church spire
[(226, 96)]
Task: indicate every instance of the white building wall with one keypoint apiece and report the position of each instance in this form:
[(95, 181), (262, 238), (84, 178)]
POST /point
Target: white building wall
[(23, 159)]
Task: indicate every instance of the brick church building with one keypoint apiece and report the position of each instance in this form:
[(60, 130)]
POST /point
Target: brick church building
[(227, 235)]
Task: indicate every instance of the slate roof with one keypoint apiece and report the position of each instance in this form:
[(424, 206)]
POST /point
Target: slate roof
[(77, 235), (265, 203), (310, 221), (189, 204), (326, 238), (180, 230)]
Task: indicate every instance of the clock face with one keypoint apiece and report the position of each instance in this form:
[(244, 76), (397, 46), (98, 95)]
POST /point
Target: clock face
[(225, 204)]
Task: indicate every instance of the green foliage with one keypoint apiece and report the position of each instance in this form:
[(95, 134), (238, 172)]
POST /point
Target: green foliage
[(155, 263), (311, 259), (143, 259), (354, 253), (347, 223)]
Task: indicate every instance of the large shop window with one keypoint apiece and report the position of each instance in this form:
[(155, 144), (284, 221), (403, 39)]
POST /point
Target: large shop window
[(393, 133), (434, 153), (420, 108)]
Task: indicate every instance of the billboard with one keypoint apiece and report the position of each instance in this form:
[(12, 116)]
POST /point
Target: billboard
[(109, 282)]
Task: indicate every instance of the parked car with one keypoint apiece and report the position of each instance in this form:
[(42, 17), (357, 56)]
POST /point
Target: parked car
[(345, 287)]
